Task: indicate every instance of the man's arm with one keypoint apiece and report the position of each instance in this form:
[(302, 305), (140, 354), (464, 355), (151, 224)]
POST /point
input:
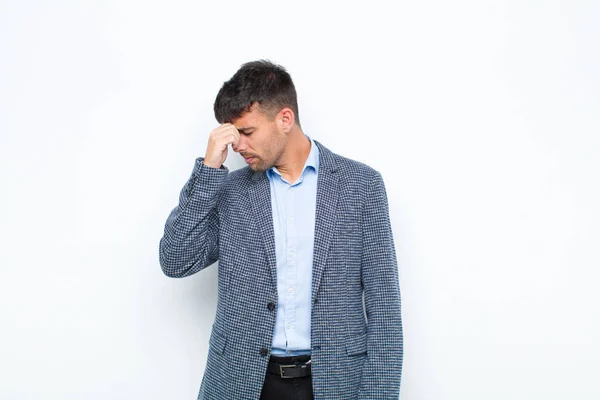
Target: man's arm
[(191, 239), (383, 366)]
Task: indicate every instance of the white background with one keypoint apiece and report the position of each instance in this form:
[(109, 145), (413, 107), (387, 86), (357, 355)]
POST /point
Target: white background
[(482, 116)]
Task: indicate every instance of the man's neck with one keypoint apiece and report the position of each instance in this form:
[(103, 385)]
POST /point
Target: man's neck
[(294, 157)]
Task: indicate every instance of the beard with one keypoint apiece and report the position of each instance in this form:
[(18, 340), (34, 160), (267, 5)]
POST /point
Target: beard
[(259, 165), (273, 153)]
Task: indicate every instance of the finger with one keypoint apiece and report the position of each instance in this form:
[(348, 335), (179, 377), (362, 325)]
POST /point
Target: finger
[(235, 138), (223, 128), (235, 134), (226, 134)]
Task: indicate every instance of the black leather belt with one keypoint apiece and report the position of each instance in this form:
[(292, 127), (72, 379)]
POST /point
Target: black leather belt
[(290, 367)]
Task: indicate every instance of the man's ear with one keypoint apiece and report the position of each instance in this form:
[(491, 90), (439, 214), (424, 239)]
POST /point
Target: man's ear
[(286, 119)]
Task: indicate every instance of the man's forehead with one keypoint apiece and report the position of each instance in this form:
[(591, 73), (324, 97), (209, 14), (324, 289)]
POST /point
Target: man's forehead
[(249, 119)]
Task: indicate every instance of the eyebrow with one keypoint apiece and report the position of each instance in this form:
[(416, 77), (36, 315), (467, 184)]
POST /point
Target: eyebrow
[(246, 128)]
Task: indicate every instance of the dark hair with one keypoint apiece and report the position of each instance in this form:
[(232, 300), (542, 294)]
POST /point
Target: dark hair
[(262, 82)]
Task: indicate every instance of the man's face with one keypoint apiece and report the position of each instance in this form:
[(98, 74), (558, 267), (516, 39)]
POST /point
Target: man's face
[(261, 142)]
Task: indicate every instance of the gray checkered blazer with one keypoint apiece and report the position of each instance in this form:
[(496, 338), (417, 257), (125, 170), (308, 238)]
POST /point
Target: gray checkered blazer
[(226, 216)]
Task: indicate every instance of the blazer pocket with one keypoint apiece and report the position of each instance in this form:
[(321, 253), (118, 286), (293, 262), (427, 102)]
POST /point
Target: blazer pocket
[(217, 342), (356, 345)]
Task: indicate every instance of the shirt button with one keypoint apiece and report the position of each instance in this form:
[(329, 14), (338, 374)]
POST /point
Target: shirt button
[(271, 306), (290, 219), (264, 351), (290, 290)]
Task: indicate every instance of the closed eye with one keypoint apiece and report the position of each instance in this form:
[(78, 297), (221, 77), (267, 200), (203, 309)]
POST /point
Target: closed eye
[(246, 130)]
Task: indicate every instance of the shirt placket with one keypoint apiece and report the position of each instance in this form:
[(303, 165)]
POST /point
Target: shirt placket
[(292, 267)]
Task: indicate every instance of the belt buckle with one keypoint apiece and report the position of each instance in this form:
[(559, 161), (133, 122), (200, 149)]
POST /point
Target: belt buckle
[(281, 367), (301, 366)]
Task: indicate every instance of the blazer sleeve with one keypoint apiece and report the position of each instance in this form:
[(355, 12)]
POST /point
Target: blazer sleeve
[(383, 367), (191, 238)]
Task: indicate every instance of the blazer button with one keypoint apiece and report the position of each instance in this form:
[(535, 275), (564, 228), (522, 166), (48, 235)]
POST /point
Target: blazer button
[(271, 306), (264, 352)]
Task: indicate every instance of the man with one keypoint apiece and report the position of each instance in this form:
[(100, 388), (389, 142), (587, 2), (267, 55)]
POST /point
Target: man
[(300, 234)]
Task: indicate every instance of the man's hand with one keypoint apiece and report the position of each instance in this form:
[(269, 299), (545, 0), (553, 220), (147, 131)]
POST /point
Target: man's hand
[(218, 143)]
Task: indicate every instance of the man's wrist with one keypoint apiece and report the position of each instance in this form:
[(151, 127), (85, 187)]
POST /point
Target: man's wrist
[(211, 165)]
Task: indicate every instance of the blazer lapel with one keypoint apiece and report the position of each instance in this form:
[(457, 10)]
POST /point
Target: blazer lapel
[(259, 194), (325, 217)]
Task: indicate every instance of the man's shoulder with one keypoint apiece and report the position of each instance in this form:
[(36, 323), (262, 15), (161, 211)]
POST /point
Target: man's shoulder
[(352, 166), (348, 166), (238, 179)]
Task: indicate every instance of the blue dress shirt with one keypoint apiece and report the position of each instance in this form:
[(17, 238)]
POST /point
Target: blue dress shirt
[(293, 206)]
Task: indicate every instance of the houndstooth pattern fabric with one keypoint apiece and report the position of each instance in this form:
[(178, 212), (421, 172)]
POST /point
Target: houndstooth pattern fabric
[(225, 216)]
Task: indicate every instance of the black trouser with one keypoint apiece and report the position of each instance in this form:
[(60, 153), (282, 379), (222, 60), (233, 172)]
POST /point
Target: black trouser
[(278, 388)]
